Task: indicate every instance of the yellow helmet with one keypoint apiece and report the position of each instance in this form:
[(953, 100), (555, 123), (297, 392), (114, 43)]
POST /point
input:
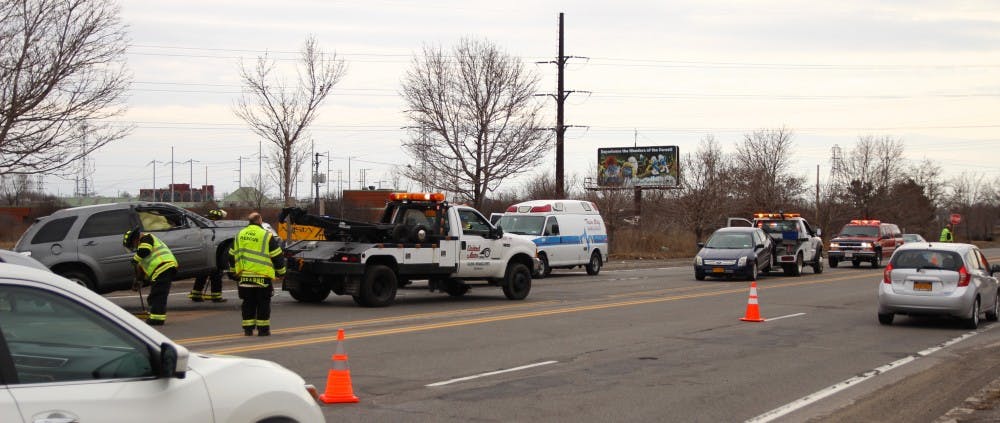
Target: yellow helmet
[(130, 236)]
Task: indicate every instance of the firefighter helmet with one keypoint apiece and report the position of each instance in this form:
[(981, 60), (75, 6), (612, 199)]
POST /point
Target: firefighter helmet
[(130, 237), (216, 214)]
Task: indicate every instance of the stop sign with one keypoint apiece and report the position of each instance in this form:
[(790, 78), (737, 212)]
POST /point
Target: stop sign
[(955, 218)]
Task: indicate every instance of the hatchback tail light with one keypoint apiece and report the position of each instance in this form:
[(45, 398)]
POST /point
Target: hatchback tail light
[(887, 274), (963, 276)]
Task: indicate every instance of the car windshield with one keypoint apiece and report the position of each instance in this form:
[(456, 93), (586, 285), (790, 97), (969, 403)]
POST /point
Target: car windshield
[(859, 230), (523, 225), (730, 241), (926, 259)]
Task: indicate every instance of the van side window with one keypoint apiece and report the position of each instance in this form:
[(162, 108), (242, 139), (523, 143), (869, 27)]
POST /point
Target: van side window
[(551, 227), (54, 231), (112, 222)]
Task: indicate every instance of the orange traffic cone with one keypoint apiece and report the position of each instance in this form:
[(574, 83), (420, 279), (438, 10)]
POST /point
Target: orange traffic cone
[(338, 381), (753, 309)]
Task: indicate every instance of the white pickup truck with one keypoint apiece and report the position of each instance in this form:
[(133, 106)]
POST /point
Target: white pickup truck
[(796, 243), (419, 237)]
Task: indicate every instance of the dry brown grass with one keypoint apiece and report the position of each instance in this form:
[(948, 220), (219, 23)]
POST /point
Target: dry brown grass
[(638, 243)]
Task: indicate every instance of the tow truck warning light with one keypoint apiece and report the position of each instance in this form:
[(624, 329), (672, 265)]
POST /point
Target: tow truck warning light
[(866, 222), (775, 215), (416, 196)]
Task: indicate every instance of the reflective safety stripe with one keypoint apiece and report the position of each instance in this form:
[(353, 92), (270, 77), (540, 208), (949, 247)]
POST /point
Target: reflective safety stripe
[(161, 317), (248, 323), (263, 323)]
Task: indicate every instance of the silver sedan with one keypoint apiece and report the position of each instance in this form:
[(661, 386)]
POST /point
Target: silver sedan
[(947, 279)]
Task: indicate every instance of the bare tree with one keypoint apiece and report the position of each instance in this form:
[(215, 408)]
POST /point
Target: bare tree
[(876, 165), (762, 171), (474, 116), (281, 113), (61, 69), (704, 198)]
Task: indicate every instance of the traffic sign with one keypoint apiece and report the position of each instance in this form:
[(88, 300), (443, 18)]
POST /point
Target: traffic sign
[(956, 218)]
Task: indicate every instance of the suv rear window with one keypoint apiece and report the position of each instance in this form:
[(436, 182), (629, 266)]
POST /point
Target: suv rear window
[(926, 259), (53, 230), (106, 223)]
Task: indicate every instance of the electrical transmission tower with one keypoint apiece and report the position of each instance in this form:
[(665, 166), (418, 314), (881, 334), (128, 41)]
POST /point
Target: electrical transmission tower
[(838, 173)]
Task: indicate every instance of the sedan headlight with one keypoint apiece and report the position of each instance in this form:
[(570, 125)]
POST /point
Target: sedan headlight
[(697, 260), (742, 261)]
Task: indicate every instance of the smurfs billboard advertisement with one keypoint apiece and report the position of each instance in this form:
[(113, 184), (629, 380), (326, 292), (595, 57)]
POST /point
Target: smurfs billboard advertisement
[(647, 167)]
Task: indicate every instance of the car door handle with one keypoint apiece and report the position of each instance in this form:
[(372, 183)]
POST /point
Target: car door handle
[(90, 243), (58, 417)]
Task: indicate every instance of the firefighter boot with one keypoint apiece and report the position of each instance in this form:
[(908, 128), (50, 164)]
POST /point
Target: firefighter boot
[(263, 331)]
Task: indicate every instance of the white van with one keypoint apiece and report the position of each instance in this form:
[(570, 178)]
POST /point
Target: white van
[(568, 233)]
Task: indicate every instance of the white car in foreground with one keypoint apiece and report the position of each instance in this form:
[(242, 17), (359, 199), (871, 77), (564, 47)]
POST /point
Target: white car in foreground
[(70, 355)]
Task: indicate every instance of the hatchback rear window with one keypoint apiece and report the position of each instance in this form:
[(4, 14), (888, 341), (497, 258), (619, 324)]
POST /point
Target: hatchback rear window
[(53, 230), (926, 259)]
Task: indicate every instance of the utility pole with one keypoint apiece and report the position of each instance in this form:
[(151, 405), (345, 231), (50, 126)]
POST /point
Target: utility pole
[(190, 163), (154, 162), (239, 181), (560, 130), (317, 179)]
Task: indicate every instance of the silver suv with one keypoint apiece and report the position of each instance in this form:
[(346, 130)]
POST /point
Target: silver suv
[(939, 279), (84, 244)]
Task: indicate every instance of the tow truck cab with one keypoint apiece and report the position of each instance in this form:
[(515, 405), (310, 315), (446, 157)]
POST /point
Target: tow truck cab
[(796, 243), (864, 240)]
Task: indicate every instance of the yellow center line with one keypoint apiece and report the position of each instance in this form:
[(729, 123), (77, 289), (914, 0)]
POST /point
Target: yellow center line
[(491, 319), (355, 323)]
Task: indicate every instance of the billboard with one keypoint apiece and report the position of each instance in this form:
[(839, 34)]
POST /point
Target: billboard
[(629, 167)]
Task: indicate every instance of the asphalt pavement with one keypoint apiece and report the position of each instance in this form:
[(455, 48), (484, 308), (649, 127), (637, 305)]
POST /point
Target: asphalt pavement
[(982, 407)]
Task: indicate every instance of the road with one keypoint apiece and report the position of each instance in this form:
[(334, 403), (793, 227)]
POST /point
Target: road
[(646, 343)]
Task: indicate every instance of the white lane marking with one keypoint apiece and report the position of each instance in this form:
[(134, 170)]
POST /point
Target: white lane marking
[(830, 390), (771, 319), (463, 379)]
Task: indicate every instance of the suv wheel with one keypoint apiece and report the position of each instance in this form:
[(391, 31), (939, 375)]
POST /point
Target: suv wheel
[(877, 261), (79, 277)]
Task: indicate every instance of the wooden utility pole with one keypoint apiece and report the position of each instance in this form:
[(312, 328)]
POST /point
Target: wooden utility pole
[(560, 130)]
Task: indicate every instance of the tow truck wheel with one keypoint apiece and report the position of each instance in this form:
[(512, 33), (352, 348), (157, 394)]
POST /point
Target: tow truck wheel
[(378, 289), (795, 269), (818, 264), (517, 281), (455, 288), (310, 293)]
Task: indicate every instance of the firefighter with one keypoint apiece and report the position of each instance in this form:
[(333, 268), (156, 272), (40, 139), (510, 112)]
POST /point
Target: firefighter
[(156, 265), (946, 235), (256, 260), (197, 293)]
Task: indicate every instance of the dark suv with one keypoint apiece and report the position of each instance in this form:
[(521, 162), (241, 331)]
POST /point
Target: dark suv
[(864, 240), (84, 244)]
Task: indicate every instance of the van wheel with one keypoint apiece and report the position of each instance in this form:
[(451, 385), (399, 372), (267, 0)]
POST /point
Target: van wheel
[(517, 281), (80, 278), (378, 288), (594, 265), (546, 269)]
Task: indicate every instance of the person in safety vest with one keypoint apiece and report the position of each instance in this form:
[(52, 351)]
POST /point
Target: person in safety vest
[(156, 265), (946, 235), (256, 260), (197, 293)]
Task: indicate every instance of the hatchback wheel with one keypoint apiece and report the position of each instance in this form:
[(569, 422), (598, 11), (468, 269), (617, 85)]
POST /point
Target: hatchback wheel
[(973, 322), (993, 313)]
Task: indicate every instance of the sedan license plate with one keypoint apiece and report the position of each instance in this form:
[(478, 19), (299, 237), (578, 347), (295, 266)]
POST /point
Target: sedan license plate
[(848, 254), (718, 270), (922, 286)]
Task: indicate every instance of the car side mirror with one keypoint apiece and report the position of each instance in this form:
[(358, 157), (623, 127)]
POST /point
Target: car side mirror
[(701, 245), (173, 360), (995, 269), (759, 246), (497, 233), (819, 232)]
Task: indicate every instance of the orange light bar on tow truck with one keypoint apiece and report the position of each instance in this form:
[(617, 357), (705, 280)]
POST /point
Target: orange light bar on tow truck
[(416, 196), (866, 222), (775, 215)]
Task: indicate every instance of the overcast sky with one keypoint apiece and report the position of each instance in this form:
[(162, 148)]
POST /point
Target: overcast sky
[(658, 73)]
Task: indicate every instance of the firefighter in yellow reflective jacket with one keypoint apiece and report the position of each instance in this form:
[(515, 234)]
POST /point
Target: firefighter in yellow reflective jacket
[(256, 259), (155, 264)]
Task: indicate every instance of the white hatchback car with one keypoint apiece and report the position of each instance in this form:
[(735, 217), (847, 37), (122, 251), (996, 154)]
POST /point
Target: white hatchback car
[(939, 278), (67, 354)]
